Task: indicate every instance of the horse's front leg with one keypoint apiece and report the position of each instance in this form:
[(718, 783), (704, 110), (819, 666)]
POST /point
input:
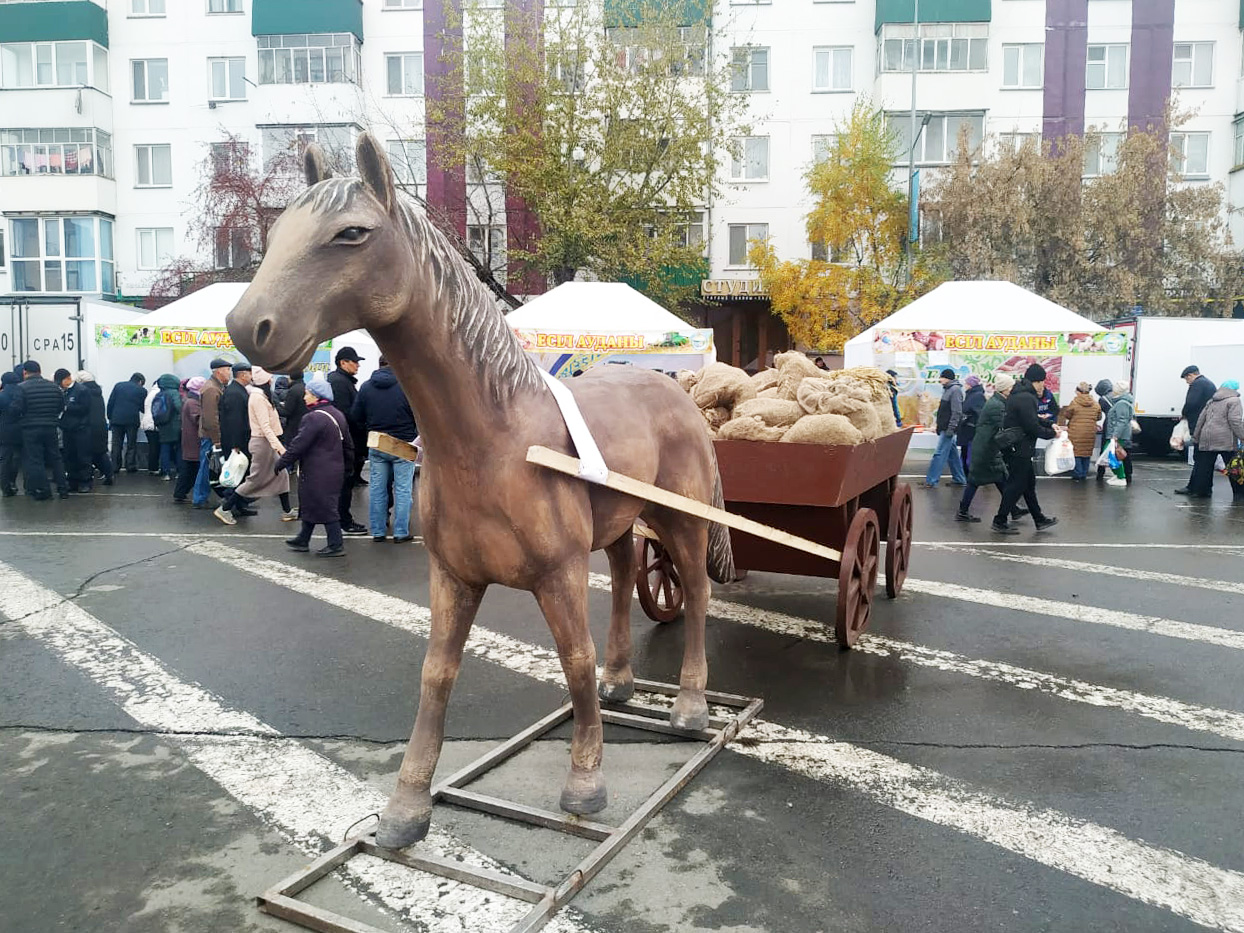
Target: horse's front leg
[(562, 596), (454, 604), (617, 684)]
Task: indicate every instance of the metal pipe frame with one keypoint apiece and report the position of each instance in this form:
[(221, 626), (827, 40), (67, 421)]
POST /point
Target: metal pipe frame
[(281, 899)]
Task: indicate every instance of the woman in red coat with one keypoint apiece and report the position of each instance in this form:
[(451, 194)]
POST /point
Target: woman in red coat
[(324, 450)]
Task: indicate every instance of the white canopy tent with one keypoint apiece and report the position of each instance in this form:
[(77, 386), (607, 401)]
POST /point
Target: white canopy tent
[(579, 324)]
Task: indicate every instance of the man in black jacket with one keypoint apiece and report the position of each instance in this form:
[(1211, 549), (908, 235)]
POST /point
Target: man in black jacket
[(86, 438), (295, 406), (125, 411), (39, 404), (1200, 391), (343, 381), (1018, 441), (382, 406), (10, 435), (235, 422)]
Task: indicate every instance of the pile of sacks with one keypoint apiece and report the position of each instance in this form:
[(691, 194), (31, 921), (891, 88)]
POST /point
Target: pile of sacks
[(794, 402)]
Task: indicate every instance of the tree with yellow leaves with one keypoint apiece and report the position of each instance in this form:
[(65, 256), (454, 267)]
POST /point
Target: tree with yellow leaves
[(861, 222)]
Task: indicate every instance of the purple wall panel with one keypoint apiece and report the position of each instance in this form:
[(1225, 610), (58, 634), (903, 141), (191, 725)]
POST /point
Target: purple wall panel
[(523, 29), (1066, 54), (1149, 84), (446, 184)]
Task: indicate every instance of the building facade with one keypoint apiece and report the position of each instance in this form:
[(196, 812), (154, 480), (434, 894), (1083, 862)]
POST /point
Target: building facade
[(109, 110)]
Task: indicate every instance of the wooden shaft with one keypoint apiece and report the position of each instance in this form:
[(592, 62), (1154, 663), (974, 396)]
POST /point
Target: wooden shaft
[(543, 456), (388, 444)]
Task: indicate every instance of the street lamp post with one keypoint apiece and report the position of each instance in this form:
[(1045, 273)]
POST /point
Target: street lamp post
[(912, 140)]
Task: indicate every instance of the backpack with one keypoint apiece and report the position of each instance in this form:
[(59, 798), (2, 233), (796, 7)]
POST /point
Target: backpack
[(161, 410)]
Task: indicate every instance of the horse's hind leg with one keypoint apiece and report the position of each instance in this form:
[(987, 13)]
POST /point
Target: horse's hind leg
[(562, 596), (686, 540), (617, 684), (454, 604)]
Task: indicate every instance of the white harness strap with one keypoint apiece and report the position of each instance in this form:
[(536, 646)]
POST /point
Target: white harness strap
[(591, 464)]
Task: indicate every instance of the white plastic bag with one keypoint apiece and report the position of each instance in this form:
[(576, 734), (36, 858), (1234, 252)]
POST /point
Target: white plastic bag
[(1181, 435), (233, 469), (1060, 456), (1104, 459)]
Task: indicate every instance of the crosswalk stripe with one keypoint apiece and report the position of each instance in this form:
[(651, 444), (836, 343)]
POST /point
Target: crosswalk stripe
[(1228, 724), (1078, 612), (1155, 875), (1127, 573), (309, 799)]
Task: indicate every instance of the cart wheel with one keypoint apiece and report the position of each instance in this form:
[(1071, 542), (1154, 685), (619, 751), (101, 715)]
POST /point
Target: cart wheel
[(658, 586), (898, 540), (857, 578)]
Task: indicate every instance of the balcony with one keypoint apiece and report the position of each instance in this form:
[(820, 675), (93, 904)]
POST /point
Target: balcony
[(54, 21), (55, 106), (58, 194)]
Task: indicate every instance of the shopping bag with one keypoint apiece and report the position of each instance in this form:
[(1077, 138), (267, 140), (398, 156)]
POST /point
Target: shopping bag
[(233, 469), (1181, 435), (1060, 456), (1106, 452)]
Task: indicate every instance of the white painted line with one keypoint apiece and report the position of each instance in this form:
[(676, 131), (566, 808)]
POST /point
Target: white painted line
[(175, 537), (1162, 877), (1076, 612), (1114, 545), (304, 796), (1221, 722), (921, 476), (1128, 573)]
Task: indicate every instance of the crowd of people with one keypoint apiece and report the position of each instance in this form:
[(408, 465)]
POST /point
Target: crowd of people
[(62, 433), (992, 441)]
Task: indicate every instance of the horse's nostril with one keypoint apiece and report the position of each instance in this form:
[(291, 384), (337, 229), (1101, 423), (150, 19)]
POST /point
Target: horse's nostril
[(262, 332)]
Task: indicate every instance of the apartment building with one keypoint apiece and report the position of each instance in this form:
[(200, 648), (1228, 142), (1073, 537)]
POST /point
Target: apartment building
[(108, 109)]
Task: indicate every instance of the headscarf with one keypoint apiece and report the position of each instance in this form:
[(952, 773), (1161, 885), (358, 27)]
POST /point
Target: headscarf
[(1230, 384), (319, 387), (260, 376), (84, 376), (196, 383), (972, 381), (1003, 383)]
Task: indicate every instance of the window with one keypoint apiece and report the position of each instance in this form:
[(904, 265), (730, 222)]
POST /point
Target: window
[(943, 47), (566, 71), (741, 236), (479, 173), (230, 158), (405, 73), (1107, 67), (1023, 65), (330, 58), (1101, 153), (749, 69), (749, 158), (1239, 143), (488, 245), (53, 64), (146, 7), (409, 160), (233, 248), (56, 152), (823, 146), (403, 4), (1190, 152), (337, 141), (155, 247), (228, 78), (1193, 65), (631, 55), (62, 254), (686, 228), (1017, 141), (822, 253), (150, 79), (155, 166), (750, 2), (224, 6), (938, 141), (831, 69)]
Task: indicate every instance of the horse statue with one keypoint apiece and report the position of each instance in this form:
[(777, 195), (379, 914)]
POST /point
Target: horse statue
[(351, 253)]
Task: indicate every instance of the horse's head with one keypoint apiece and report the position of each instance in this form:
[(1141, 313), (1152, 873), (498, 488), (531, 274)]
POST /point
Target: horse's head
[(338, 259)]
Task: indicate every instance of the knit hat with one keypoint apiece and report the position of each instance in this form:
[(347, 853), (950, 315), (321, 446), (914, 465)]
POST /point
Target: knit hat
[(972, 381), (948, 373), (84, 376), (1035, 373), (8, 379), (1231, 384), (1084, 388), (195, 383), (260, 376), (1003, 383), (1104, 387), (319, 387)]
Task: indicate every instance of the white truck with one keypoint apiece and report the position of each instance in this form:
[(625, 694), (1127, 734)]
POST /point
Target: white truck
[(1159, 348), (59, 332)]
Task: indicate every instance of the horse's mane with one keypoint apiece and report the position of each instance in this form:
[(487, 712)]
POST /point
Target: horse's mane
[(474, 320)]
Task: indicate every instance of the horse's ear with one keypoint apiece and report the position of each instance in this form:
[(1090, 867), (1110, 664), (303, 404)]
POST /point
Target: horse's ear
[(314, 166), (375, 170)]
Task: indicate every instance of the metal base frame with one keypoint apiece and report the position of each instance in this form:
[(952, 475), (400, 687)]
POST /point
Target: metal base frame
[(281, 899)]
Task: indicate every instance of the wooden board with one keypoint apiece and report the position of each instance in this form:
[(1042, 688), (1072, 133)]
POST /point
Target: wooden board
[(388, 444), (543, 456)]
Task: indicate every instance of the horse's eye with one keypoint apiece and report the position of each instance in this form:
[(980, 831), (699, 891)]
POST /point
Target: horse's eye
[(352, 235)]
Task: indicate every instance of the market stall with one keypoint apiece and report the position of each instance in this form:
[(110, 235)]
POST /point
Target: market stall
[(984, 329), (578, 325)]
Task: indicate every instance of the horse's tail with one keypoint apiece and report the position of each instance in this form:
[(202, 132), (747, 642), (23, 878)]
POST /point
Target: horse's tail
[(720, 553)]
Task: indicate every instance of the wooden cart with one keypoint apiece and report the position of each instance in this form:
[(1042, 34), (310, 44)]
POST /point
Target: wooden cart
[(846, 498)]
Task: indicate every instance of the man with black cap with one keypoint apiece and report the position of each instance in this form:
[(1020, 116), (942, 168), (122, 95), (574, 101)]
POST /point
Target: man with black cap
[(344, 380), (235, 421), (949, 414), (125, 411), (39, 404), (209, 427), (1018, 442), (10, 435), (1200, 391)]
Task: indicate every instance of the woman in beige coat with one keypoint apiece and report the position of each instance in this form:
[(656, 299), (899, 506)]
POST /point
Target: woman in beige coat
[(262, 480), (1080, 418)]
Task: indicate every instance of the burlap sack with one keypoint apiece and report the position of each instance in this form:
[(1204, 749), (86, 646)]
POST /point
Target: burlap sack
[(769, 393), (722, 384), (814, 395), (793, 368), (823, 429), (772, 411), (765, 379), (687, 379), (715, 417), (750, 428)]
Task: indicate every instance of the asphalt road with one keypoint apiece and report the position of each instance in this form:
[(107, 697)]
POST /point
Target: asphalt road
[(1044, 732)]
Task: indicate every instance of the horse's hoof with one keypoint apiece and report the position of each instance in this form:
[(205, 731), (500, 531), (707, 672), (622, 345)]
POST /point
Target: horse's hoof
[(690, 712), (397, 833), (616, 692), (584, 792)]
